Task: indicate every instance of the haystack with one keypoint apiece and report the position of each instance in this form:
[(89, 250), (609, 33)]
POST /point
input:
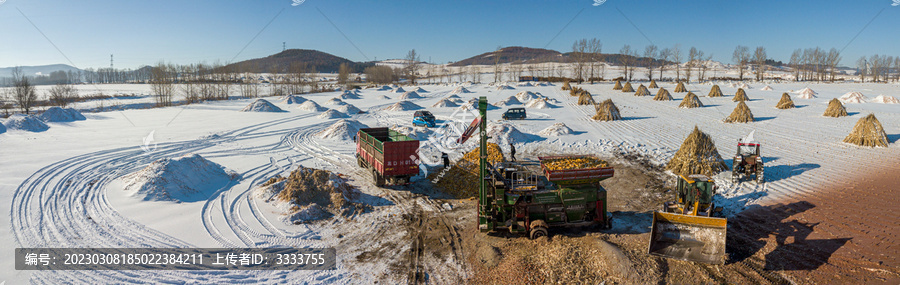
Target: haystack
[(461, 180), (715, 91), (618, 85), (680, 88), (642, 91), (653, 84), (627, 87), (697, 155), (585, 98), (868, 132), (690, 101), (607, 111), (662, 95), (835, 109), (566, 86), (741, 114), (740, 95), (785, 102)]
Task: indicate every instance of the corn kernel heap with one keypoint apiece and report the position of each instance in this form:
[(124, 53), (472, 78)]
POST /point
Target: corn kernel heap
[(461, 180), (578, 162)]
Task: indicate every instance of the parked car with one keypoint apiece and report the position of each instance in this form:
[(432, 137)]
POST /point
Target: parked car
[(514, 114), (423, 118)]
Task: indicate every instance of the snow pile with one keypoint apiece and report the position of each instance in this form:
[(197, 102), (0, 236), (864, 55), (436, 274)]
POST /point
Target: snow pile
[(335, 101), (420, 90), (2, 128), (403, 106), (767, 88), (525, 84), (332, 114), (460, 90), (504, 87), (293, 99), (384, 88), (539, 104), (557, 129), (745, 86), (384, 97), (525, 96), (504, 133), (57, 114), (261, 105), (347, 94), (886, 100), (344, 129), (473, 105), (806, 93), (399, 90), (310, 105), (410, 95), (349, 109), (26, 123), (189, 178), (445, 103), (454, 96), (512, 100), (853, 97)]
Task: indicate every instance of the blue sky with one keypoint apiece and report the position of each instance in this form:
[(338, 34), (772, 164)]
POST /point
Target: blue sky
[(145, 32)]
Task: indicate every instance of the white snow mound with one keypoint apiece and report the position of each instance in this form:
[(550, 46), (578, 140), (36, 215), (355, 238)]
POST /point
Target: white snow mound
[(403, 106), (445, 103), (526, 96), (189, 178), (293, 99), (399, 90), (504, 133), (806, 93), (332, 114), (344, 129), (261, 105), (539, 104), (347, 94), (853, 97), (349, 109), (767, 88), (420, 90), (335, 101), (460, 90), (885, 100), (512, 100), (410, 95), (57, 114), (26, 123), (311, 105), (555, 130)]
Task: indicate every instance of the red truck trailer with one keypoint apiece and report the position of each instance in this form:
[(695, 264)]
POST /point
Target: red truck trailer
[(389, 155)]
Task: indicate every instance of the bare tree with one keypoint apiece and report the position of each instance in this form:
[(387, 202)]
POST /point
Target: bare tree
[(663, 58), (498, 70), (161, 84), (579, 49), (412, 65), (650, 53), (862, 66), (759, 59), (62, 94), (595, 54), (834, 58), (344, 75), (875, 67), (795, 63), (626, 60), (740, 57), (692, 61), (676, 57), (23, 92), (703, 65)]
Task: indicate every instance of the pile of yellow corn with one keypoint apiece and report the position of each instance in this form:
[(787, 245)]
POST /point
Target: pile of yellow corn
[(575, 162), (461, 180)]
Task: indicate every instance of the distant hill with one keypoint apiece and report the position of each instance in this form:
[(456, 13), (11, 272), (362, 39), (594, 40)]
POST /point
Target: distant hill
[(513, 54), (38, 69), (282, 61), (537, 55)]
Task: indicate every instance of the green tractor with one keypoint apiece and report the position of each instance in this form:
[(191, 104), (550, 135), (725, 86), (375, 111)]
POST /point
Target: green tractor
[(686, 228), (512, 199)]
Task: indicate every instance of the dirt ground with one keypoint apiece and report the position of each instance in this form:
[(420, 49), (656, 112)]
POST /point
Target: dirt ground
[(844, 235)]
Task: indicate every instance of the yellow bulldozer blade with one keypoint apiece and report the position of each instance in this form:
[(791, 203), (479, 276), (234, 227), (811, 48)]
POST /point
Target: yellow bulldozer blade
[(686, 237)]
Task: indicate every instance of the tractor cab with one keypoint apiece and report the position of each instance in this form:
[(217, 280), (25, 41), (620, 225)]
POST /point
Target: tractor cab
[(693, 194), (747, 162)]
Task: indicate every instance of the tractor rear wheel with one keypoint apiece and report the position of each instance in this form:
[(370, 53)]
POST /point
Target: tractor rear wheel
[(538, 229)]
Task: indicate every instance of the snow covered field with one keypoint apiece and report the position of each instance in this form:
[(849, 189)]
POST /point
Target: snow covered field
[(63, 187)]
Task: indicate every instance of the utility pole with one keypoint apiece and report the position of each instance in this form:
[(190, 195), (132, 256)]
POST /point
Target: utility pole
[(283, 46), (110, 61)]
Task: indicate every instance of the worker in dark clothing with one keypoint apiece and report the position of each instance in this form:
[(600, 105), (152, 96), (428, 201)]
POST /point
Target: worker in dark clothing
[(446, 159), (512, 151)]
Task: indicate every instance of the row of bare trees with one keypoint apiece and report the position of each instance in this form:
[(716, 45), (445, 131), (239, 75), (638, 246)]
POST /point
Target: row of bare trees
[(815, 64), (878, 68)]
